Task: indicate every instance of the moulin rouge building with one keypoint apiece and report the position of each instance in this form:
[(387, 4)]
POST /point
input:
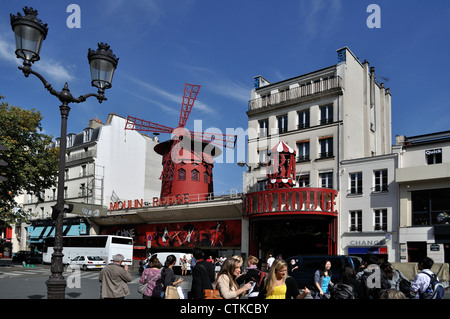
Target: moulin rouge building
[(301, 130)]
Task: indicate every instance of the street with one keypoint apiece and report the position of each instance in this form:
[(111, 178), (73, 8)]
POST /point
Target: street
[(18, 282)]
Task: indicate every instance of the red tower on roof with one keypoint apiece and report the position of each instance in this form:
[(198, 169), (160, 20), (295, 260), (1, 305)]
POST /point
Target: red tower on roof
[(188, 157), (281, 169)]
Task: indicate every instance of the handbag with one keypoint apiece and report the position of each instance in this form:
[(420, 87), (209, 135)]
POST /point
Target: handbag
[(171, 293), (143, 287), (212, 293)]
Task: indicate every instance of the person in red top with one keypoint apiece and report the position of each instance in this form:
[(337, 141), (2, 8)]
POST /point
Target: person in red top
[(210, 260)]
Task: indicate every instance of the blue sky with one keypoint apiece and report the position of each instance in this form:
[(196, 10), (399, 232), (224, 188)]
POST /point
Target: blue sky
[(222, 45)]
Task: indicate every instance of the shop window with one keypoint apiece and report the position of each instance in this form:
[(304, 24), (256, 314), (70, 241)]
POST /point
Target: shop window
[(434, 156), (430, 207)]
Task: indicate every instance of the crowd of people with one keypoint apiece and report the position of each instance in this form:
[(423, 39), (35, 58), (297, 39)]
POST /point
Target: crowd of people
[(234, 279)]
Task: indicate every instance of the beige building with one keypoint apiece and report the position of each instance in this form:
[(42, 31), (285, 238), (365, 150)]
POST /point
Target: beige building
[(424, 179)]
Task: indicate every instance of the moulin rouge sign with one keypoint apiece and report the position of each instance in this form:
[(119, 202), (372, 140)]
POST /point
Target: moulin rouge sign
[(139, 203), (291, 201)]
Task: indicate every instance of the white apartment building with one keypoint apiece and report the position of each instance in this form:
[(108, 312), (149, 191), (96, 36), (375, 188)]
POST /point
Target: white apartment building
[(369, 207), (105, 163), (423, 176), (329, 116)]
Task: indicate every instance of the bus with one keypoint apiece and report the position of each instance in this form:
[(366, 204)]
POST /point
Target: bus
[(105, 246)]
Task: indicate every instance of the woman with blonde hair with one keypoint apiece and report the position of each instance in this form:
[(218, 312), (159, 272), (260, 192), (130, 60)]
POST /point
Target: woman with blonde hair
[(226, 280), (278, 285)]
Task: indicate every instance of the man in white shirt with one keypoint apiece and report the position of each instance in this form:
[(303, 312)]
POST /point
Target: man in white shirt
[(422, 280)]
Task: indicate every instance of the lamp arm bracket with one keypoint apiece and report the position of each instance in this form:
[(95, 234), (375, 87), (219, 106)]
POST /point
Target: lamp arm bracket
[(27, 70), (64, 96), (100, 97)]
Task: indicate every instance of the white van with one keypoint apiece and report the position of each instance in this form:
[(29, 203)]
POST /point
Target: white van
[(179, 256)]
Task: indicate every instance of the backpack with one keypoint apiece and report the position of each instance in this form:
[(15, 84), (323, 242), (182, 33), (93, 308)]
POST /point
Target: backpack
[(435, 290), (261, 275), (342, 291)]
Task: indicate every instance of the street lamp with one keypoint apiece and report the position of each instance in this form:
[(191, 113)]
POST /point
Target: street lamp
[(29, 33)]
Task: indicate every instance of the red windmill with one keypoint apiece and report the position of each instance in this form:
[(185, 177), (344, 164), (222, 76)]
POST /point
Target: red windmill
[(187, 158)]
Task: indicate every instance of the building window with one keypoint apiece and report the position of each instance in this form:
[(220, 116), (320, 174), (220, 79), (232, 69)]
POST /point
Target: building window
[(181, 174), (83, 170), (282, 124), (87, 135), (66, 194), (262, 154), (356, 220), (303, 151), (326, 179), (355, 183), (303, 119), (264, 128), (70, 140), (380, 222), (326, 147), (205, 177), (303, 180), (326, 114), (430, 207), (434, 156), (381, 183), (261, 185), (195, 175)]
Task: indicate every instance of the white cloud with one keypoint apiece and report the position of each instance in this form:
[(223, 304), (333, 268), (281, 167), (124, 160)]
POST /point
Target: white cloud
[(176, 98), (51, 69)]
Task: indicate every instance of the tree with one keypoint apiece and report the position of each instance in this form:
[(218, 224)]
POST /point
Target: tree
[(32, 161)]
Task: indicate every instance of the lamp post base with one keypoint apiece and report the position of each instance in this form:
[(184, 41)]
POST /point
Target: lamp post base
[(56, 287)]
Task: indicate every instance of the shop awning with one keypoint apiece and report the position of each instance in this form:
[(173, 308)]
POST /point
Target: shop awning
[(37, 234)]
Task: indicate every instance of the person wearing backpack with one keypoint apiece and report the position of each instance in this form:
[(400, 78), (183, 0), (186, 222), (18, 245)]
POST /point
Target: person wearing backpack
[(347, 287), (423, 285), (252, 273)]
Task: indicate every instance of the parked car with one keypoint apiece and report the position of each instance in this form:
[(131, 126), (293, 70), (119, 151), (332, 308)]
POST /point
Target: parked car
[(302, 268), (88, 262), (29, 257)]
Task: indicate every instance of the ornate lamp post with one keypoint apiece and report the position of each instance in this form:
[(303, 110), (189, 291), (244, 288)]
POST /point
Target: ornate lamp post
[(30, 32)]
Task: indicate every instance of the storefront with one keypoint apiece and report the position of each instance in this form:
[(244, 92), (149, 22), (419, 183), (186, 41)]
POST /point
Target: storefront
[(43, 228), (215, 225), (292, 221)]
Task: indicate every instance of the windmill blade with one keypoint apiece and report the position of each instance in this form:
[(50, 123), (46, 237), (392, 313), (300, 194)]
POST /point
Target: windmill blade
[(135, 124), (189, 97), (216, 139)]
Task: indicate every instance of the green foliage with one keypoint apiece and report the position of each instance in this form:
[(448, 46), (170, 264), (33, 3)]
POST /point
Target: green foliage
[(32, 162)]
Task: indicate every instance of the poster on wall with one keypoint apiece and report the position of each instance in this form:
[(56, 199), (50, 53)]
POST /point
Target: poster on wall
[(224, 233)]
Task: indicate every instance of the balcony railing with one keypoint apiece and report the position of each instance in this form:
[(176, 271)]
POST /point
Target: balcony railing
[(303, 90)]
